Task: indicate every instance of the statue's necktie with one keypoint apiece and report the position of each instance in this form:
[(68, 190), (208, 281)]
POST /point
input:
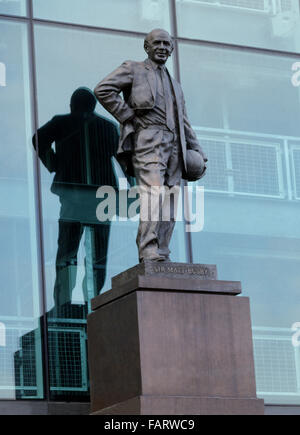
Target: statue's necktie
[(170, 121)]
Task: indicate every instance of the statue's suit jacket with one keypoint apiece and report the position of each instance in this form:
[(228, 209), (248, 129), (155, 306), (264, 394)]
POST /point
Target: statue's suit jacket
[(137, 81)]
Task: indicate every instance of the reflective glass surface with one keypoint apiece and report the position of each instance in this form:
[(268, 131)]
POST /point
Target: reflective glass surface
[(13, 7), (20, 333), (259, 23), (246, 114), (76, 146), (137, 15)]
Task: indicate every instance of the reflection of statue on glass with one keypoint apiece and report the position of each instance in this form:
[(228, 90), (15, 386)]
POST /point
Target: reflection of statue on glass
[(156, 137), (84, 145)]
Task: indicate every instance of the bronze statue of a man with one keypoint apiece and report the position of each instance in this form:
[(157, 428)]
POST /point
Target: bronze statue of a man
[(155, 135)]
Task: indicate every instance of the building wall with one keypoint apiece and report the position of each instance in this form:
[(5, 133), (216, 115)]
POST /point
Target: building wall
[(237, 62)]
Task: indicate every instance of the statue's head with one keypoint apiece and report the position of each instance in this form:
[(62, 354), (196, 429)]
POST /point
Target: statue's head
[(159, 46), (83, 101)]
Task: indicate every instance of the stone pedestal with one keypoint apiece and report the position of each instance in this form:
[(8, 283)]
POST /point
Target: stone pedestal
[(171, 339)]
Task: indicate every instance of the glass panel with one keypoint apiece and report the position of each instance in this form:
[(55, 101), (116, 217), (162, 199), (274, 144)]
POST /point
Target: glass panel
[(246, 112), (13, 7), (77, 148), (20, 333), (259, 23), (137, 15)]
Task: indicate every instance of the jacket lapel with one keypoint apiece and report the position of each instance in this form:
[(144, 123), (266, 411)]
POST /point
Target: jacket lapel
[(176, 93), (151, 77)]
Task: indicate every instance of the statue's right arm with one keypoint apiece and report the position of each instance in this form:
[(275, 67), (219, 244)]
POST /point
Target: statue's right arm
[(108, 92)]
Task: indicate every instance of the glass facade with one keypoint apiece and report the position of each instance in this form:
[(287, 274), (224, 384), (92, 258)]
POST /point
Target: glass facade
[(133, 15), (13, 7), (234, 60), (20, 305), (255, 23)]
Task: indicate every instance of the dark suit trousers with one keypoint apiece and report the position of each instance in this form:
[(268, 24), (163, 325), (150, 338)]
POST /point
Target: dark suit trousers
[(158, 165), (70, 234)]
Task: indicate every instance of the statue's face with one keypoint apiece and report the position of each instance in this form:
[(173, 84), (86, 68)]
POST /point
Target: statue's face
[(159, 46)]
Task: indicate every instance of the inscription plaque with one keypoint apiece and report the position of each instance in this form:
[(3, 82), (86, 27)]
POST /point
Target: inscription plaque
[(167, 270), (156, 277)]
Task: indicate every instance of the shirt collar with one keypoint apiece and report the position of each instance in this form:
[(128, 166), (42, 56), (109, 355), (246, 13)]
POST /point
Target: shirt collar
[(155, 65)]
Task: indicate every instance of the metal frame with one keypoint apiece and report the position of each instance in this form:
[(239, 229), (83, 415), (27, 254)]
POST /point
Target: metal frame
[(279, 334), (31, 21), (291, 149), (83, 354), (37, 175), (285, 146), (238, 137), (216, 4), (24, 325)]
